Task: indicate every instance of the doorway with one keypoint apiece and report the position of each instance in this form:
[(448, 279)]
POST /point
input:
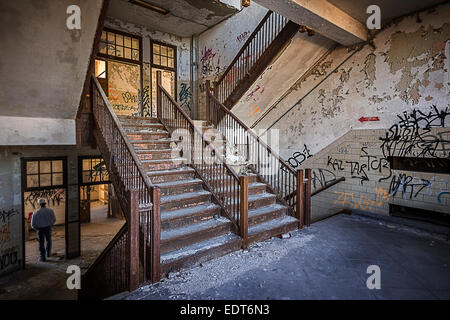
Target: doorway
[(100, 216), (44, 178)]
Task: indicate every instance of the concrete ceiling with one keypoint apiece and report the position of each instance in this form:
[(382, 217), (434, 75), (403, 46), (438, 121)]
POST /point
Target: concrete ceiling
[(185, 17), (390, 9), (343, 21)]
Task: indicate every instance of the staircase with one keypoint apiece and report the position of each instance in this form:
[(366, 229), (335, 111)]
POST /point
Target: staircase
[(182, 201), (192, 228), (263, 45)]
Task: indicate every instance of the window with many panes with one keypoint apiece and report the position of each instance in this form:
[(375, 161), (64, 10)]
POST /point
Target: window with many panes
[(163, 55), (44, 174), (115, 44), (94, 171)]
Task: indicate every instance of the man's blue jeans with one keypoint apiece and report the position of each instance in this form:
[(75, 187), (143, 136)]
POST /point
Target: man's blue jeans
[(42, 235)]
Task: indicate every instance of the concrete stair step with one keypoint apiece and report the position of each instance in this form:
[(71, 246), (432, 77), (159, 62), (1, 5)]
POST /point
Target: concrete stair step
[(136, 135), (153, 144), (272, 228), (151, 125), (146, 154), (178, 238), (199, 252), (163, 164), (180, 186), (133, 118), (254, 188), (162, 176), (186, 216), (267, 213), (260, 200), (184, 200)]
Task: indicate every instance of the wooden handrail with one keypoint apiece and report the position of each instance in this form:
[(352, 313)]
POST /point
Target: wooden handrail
[(246, 44), (250, 131), (327, 186), (123, 134), (118, 267), (108, 248)]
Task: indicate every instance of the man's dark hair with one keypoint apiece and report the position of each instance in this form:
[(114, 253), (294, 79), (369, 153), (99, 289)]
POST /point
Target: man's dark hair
[(43, 205)]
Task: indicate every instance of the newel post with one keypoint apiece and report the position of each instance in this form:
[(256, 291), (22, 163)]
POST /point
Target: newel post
[(308, 198), (208, 101), (133, 239), (300, 197), (243, 212), (155, 235), (158, 94)]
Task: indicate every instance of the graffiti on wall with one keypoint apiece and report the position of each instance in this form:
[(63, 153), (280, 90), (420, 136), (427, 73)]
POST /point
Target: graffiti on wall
[(9, 258), (8, 255), (411, 136), (185, 96), (53, 197), (362, 202), (5, 216), (210, 62), (145, 101), (5, 224), (243, 36), (123, 88), (359, 169), (299, 157)]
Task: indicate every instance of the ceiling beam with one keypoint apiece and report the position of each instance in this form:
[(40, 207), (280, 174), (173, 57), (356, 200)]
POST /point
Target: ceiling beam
[(321, 16)]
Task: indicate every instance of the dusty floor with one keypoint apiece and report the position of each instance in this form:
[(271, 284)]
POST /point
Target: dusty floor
[(329, 260), (47, 280)]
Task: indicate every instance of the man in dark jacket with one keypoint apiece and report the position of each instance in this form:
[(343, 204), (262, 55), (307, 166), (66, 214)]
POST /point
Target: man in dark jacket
[(42, 221)]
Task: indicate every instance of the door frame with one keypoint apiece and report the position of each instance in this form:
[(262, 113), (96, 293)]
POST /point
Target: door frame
[(106, 57), (23, 162), (87, 184)]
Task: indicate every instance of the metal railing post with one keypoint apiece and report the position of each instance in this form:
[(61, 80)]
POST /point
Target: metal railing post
[(155, 236), (243, 212), (300, 197), (133, 236), (308, 198), (158, 95), (208, 100)]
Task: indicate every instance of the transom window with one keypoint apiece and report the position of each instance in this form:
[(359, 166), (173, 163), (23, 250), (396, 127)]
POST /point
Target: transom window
[(115, 44), (94, 171), (163, 55), (44, 174)]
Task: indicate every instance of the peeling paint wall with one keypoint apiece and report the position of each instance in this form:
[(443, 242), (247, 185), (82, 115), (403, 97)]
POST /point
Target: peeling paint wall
[(344, 107)]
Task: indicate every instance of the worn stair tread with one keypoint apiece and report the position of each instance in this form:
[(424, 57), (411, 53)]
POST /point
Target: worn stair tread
[(181, 170), (159, 131), (198, 247), (184, 196), (174, 214), (136, 118), (157, 150), (178, 183), (167, 235), (265, 210), (161, 140), (163, 160), (256, 197), (275, 223), (250, 186)]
